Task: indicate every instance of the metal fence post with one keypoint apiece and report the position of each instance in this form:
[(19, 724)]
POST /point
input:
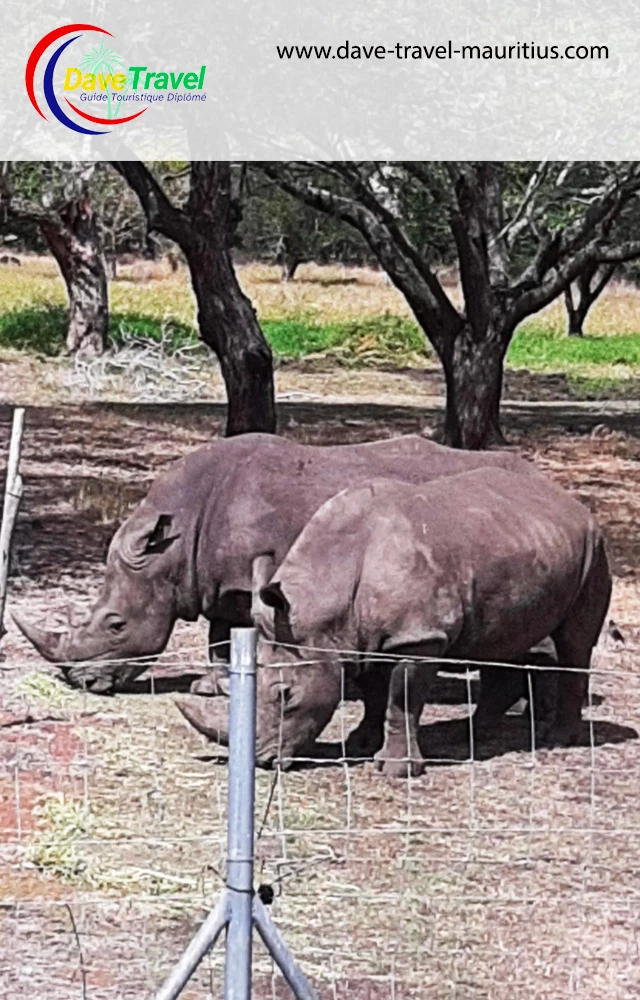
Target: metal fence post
[(202, 943), (238, 910), (12, 497), (242, 757)]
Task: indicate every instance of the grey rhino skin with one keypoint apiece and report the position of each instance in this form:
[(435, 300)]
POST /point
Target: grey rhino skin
[(480, 566), (212, 529)]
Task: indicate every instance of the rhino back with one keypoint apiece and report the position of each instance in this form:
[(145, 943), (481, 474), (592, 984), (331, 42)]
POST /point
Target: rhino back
[(243, 496), (491, 560)]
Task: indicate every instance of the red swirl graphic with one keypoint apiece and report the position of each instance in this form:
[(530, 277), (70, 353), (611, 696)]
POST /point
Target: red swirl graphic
[(42, 45)]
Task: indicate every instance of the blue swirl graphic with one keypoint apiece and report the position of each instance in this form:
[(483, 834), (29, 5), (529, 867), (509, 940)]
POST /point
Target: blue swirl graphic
[(51, 98)]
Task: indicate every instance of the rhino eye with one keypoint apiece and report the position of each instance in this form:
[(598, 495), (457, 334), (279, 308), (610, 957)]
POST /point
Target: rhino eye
[(116, 625)]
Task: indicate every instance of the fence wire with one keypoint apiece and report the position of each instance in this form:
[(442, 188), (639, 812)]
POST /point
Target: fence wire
[(506, 868)]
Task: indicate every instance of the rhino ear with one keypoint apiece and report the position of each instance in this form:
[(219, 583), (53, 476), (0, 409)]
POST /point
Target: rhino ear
[(272, 596), (262, 569), (147, 535), (160, 537)]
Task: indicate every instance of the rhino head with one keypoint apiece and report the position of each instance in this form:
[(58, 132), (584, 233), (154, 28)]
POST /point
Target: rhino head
[(297, 692), (134, 614), (295, 701)]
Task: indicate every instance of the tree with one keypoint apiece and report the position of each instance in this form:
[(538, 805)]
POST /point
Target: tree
[(120, 221), (72, 236), (522, 234), (55, 196), (583, 292), (277, 227), (204, 228)]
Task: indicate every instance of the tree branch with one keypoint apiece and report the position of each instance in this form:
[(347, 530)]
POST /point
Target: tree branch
[(388, 219), (162, 216), (606, 275), (476, 226), (628, 250), (397, 256), (535, 299), (600, 212), (522, 215)]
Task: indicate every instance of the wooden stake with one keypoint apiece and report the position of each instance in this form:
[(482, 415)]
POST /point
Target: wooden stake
[(12, 497)]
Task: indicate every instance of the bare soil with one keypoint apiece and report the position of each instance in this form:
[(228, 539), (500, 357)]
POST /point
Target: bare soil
[(504, 871)]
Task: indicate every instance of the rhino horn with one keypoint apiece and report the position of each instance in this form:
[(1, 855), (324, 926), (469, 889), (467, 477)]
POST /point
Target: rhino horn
[(51, 645), (210, 716)]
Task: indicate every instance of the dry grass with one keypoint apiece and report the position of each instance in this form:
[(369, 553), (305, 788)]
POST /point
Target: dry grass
[(329, 298), (330, 293), (617, 313)]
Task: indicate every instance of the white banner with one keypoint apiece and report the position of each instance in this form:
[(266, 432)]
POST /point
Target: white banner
[(278, 79)]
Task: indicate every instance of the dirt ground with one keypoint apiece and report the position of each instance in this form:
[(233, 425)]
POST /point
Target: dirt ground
[(504, 871)]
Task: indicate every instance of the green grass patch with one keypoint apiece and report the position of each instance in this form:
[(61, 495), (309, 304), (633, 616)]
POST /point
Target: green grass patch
[(42, 330), (57, 847), (37, 329), (45, 690), (541, 349), (384, 339), (62, 847), (593, 364), (295, 338)]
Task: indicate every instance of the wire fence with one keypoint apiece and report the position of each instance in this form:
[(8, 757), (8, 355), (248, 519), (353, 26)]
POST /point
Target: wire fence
[(506, 868)]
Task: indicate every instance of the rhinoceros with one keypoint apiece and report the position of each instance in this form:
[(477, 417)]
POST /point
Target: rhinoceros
[(480, 566), (213, 526)]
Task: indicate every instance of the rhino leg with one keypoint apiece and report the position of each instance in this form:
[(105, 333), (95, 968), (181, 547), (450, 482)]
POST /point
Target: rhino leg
[(368, 736), (233, 609), (219, 632), (216, 680), (544, 685), (500, 688), (575, 640), (572, 686), (400, 756)]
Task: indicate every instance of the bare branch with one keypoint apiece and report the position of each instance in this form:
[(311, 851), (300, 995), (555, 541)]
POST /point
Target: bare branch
[(162, 216), (606, 274), (402, 262), (523, 214), (535, 299), (81, 962)]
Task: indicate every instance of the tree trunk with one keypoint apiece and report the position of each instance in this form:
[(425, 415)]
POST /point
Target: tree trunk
[(589, 286), (288, 257), (576, 313), (576, 324), (289, 266), (204, 231), (228, 324), (72, 237), (473, 371)]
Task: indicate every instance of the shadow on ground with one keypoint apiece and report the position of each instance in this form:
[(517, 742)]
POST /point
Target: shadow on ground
[(447, 743)]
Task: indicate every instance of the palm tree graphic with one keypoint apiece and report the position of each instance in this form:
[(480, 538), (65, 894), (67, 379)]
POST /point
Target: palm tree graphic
[(102, 59)]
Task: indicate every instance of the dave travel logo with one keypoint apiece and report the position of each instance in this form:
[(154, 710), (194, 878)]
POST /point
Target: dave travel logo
[(100, 77)]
